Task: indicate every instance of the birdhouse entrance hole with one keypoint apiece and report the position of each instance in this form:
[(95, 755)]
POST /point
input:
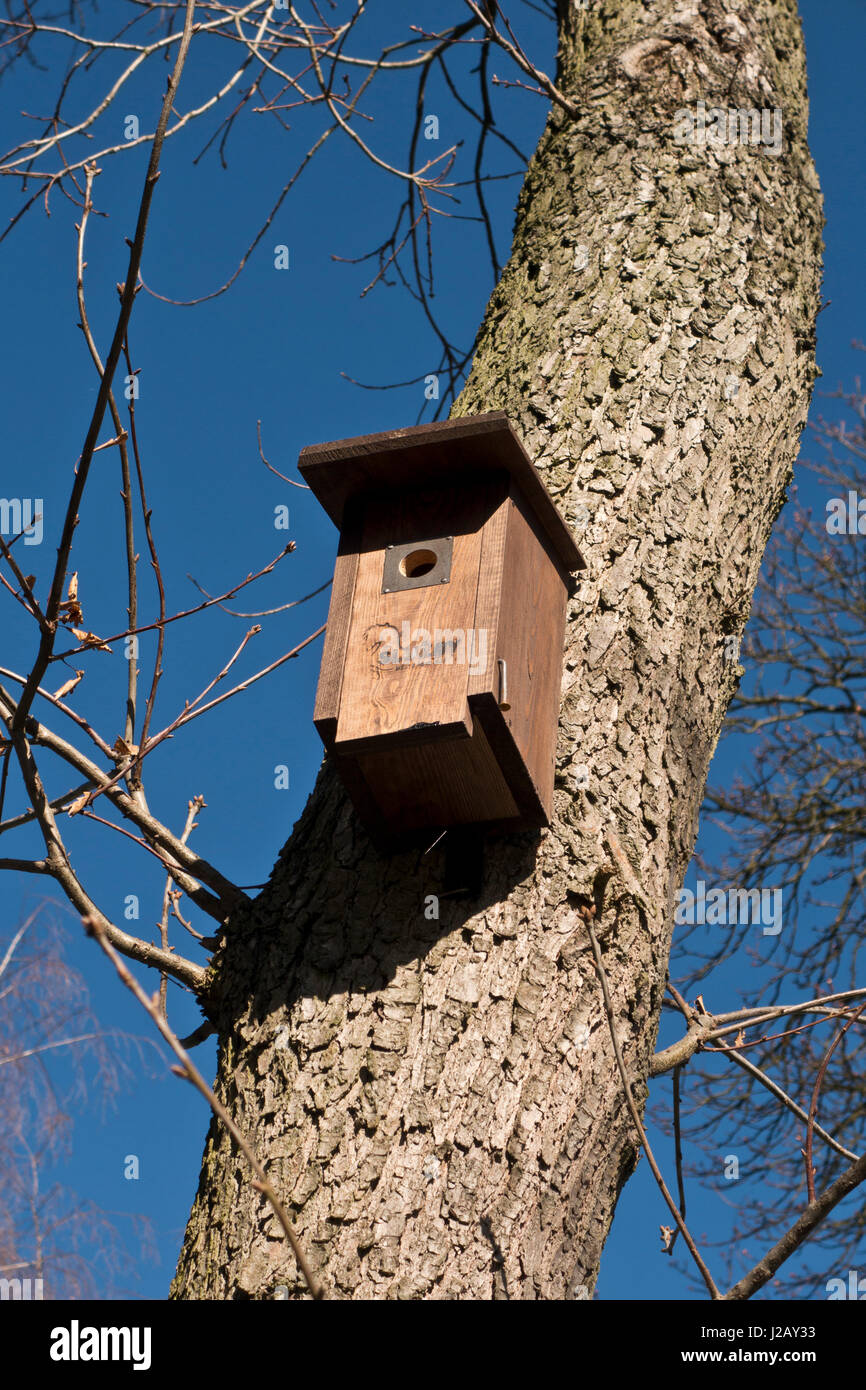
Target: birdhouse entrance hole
[(418, 563)]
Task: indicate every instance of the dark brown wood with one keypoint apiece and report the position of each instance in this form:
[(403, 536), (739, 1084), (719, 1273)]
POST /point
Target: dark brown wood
[(530, 811), (530, 640), (434, 785), (450, 449), (490, 592), (327, 706)]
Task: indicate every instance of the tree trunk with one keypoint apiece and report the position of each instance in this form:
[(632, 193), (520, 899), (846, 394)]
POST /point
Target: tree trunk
[(437, 1101)]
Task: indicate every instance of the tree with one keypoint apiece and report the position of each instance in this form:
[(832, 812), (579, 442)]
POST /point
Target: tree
[(430, 1108), (449, 1105)]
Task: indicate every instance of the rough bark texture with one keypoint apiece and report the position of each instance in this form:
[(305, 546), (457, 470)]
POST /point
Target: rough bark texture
[(438, 1101)]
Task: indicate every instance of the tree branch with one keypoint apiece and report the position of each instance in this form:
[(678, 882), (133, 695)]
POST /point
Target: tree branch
[(764, 1270), (190, 1072)]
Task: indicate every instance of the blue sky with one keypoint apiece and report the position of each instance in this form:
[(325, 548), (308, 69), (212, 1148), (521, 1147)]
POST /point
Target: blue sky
[(276, 349)]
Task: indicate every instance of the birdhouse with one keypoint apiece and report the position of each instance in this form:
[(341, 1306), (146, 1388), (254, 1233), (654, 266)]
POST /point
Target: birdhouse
[(439, 692)]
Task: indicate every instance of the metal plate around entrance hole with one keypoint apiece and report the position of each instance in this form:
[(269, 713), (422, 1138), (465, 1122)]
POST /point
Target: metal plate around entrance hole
[(417, 565)]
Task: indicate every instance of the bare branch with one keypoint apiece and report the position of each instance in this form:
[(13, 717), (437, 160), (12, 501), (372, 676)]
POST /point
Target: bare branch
[(127, 300), (190, 1072), (814, 1214), (588, 914)]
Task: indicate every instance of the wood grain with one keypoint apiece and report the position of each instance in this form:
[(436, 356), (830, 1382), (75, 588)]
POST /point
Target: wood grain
[(378, 700), (530, 639)]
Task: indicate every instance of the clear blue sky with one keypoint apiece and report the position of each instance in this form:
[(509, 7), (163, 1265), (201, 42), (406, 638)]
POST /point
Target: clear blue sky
[(274, 349)]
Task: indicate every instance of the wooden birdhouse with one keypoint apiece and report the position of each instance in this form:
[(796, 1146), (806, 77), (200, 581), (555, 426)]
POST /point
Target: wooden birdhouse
[(439, 690)]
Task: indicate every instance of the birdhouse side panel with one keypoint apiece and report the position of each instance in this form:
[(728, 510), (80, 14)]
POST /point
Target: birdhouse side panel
[(327, 706), (529, 644), (484, 677)]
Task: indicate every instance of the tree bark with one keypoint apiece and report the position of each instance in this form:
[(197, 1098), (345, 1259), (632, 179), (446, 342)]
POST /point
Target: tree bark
[(438, 1101)]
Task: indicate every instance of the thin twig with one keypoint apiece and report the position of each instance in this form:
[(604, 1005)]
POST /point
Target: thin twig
[(678, 1155), (190, 1072), (588, 914), (305, 486), (46, 643), (764, 1270), (816, 1091), (775, 1089)]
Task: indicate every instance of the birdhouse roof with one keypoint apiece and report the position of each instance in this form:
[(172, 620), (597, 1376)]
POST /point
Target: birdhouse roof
[(450, 450)]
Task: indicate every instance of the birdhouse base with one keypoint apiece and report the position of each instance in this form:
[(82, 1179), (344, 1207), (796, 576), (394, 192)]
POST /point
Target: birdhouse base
[(434, 777)]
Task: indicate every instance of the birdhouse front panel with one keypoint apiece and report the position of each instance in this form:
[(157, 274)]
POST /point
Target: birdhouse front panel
[(413, 641), (439, 691)]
